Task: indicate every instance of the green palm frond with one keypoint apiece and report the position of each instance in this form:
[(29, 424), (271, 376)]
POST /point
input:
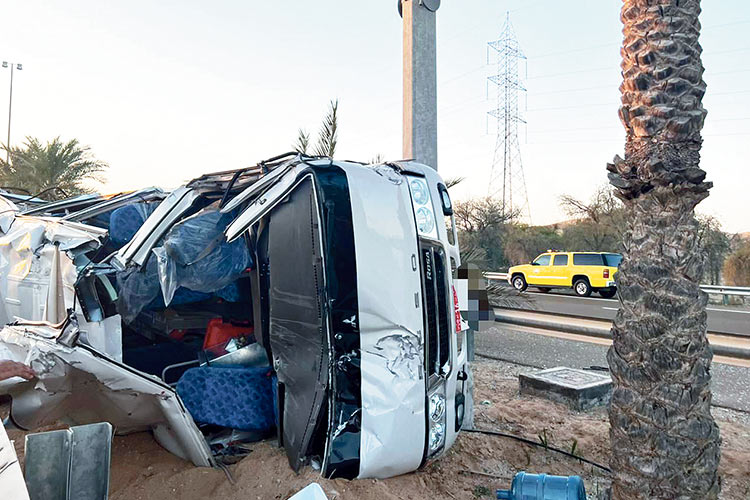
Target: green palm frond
[(328, 136), (453, 181), (303, 141), (64, 166)]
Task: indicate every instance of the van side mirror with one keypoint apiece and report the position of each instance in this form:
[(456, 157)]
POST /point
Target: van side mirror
[(445, 200)]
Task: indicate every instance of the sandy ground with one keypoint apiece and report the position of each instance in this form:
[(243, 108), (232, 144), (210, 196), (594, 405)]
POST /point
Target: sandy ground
[(475, 467)]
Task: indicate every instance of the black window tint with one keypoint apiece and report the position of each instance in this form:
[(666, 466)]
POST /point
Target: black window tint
[(588, 259), (561, 260), (543, 260), (613, 259)]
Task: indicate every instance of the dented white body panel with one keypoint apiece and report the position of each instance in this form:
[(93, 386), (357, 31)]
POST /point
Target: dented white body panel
[(37, 276), (80, 385), (390, 322)]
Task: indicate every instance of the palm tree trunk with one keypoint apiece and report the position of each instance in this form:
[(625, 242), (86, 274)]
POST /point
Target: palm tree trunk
[(665, 443)]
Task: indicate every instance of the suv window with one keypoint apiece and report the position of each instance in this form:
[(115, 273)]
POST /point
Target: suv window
[(561, 260), (542, 260), (612, 259), (587, 259)]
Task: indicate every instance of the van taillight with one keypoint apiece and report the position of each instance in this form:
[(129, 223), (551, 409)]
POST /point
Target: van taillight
[(606, 273)]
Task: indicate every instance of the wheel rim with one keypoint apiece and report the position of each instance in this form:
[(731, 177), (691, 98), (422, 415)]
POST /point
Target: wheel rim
[(518, 283), (581, 288)]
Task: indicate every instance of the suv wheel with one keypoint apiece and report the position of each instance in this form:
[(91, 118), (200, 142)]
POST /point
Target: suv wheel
[(581, 287), (519, 282)]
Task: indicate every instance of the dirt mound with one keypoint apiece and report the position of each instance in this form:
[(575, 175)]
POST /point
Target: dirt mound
[(475, 467)]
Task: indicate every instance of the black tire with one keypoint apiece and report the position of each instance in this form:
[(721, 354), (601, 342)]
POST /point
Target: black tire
[(581, 287), (544, 289), (519, 282), (608, 293)]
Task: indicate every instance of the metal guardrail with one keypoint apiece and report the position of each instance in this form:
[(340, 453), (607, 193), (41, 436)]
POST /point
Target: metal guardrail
[(741, 291), (727, 290), (496, 276)]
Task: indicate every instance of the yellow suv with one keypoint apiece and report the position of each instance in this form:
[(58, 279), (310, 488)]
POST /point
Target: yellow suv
[(584, 272)]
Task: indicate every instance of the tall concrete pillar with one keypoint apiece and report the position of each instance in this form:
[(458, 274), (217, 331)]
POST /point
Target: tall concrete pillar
[(420, 80)]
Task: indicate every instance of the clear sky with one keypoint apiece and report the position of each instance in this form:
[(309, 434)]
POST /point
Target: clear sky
[(167, 90)]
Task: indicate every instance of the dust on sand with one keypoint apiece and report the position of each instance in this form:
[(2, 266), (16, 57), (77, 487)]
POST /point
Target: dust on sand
[(475, 467)]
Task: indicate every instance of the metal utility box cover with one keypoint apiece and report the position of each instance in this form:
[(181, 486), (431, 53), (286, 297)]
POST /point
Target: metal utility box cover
[(70, 464), (578, 389)]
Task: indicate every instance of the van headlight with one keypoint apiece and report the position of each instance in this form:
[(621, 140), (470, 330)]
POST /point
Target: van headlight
[(437, 436), (436, 421), (437, 407), (419, 192), (425, 220), (421, 202)]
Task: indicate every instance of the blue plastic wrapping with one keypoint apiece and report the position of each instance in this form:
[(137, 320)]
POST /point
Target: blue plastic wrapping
[(195, 255), (125, 221), (137, 288)]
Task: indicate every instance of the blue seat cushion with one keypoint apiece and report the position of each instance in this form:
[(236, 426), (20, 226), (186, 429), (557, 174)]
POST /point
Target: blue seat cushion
[(235, 397)]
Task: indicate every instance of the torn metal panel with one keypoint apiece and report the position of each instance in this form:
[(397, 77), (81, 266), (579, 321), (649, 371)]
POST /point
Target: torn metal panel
[(278, 184), (150, 194), (260, 185), (54, 307), (12, 485), (79, 385), (66, 206), (8, 211), (312, 491), (22, 201), (298, 333), (38, 274), (69, 464), (235, 181)]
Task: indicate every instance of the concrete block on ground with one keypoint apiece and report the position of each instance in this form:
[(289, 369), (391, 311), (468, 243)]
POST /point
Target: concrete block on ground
[(578, 389)]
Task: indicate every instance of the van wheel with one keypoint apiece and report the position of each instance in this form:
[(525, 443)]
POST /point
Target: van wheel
[(544, 289), (581, 287), (519, 282), (608, 293)]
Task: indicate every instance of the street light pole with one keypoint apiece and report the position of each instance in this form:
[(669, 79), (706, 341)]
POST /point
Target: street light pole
[(10, 106), (420, 80)]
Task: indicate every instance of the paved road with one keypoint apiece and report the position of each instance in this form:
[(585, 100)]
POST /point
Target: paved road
[(537, 348), (721, 319)]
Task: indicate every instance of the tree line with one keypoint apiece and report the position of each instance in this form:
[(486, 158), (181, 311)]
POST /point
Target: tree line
[(495, 239)]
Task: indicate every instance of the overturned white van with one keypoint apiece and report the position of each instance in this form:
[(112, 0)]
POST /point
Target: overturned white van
[(303, 297)]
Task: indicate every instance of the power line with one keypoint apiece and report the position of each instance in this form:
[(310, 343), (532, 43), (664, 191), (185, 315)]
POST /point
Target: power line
[(506, 175)]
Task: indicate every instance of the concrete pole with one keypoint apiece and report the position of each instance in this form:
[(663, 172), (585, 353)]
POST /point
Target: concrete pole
[(420, 80)]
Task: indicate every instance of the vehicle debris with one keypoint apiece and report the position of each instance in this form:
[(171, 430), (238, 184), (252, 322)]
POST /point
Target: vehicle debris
[(12, 484), (303, 294), (69, 463)]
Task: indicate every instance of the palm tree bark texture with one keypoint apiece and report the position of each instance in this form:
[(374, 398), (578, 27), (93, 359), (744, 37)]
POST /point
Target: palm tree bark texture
[(665, 443)]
